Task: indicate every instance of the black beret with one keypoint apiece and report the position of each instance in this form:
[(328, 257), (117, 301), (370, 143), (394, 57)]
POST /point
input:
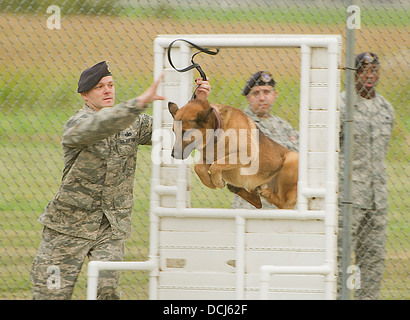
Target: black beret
[(260, 78), (91, 76), (364, 58)]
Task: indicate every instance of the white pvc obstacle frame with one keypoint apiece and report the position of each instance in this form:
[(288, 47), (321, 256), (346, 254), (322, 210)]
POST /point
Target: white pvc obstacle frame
[(203, 253)]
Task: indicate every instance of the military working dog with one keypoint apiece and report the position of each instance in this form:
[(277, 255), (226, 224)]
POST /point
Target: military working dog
[(235, 152)]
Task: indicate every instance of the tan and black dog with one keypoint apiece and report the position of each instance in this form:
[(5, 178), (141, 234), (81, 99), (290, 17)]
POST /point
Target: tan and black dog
[(233, 150)]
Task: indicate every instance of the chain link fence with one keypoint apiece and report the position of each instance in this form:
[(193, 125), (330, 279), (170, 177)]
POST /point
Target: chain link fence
[(45, 45)]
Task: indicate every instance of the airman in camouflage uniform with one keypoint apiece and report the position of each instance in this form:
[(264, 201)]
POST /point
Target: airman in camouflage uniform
[(90, 213), (373, 118), (260, 94)]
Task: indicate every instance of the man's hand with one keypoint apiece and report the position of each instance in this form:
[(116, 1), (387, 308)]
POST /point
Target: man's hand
[(150, 94), (203, 90)]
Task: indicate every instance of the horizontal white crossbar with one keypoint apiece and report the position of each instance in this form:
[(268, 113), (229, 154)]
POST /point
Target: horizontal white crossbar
[(267, 270), (234, 213), (252, 40), (94, 268)]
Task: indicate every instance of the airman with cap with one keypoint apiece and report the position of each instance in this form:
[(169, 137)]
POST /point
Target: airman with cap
[(367, 74), (261, 95), (90, 214), (373, 118)]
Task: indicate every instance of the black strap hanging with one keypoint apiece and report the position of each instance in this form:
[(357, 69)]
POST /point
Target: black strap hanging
[(194, 64)]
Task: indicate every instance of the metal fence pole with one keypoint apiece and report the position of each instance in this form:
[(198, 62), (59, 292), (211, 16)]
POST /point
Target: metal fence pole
[(348, 152)]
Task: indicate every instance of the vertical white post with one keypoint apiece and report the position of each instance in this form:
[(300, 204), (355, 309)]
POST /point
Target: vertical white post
[(154, 256), (182, 186), (92, 280), (303, 126), (331, 173), (180, 95), (240, 257), (264, 278), (157, 125), (155, 174), (185, 91), (186, 77)]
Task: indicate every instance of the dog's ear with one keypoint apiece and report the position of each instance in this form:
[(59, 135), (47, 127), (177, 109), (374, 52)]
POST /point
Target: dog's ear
[(204, 115), (173, 108)]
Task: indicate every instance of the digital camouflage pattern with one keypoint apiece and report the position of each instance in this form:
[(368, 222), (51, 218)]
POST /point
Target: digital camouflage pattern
[(100, 150), (60, 258), (279, 130), (372, 127), (89, 216)]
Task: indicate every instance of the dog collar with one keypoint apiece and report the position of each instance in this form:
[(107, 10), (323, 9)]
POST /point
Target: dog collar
[(218, 117), (218, 129)]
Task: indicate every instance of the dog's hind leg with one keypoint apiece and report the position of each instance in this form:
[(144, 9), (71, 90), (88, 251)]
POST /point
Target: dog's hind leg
[(271, 196), (252, 197), (284, 199), (282, 189)]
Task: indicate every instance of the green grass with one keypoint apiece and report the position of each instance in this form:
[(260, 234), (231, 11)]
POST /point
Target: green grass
[(305, 14)]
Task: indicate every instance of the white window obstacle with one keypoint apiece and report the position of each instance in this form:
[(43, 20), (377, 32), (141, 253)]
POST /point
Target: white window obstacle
[(211, 253)]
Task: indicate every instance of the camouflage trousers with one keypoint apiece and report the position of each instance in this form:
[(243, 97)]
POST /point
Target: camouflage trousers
[(368, 238), (59, 260)]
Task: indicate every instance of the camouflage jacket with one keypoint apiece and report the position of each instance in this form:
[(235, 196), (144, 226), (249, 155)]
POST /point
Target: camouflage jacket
[(277, 129), (100, 150), (372, 127)]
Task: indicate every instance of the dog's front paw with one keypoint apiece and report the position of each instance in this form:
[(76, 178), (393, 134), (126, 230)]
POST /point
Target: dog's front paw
[(219, 183), (216, 176)]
